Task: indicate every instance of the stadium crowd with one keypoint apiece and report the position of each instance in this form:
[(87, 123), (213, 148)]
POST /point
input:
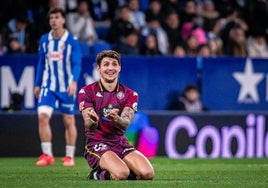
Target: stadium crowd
[(143, 27)]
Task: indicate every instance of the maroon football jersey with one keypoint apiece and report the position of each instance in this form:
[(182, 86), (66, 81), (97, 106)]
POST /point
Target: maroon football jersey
[(103, 101)]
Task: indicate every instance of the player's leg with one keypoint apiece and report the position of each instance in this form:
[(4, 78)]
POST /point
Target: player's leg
[(67, 107), (139, 165), (111, 164), (45, 110), (70, 137)]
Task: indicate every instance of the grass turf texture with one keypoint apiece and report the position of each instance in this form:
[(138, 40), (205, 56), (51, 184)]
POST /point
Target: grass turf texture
[(22, 172)]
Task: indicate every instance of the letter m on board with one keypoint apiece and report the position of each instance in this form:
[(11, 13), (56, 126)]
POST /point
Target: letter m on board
[(24, 86)]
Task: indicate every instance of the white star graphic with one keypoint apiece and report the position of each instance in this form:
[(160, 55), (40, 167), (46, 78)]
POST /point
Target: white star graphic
[(248, 81)]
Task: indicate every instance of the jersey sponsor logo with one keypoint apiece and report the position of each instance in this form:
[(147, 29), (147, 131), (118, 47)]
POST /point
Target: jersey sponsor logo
[(105, 111), (55, 56)]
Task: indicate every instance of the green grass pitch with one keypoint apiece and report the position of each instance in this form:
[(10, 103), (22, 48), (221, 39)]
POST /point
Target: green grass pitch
[(22, 172)]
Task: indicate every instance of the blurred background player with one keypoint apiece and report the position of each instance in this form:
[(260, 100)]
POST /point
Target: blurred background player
[(58, 71), (108, 108)]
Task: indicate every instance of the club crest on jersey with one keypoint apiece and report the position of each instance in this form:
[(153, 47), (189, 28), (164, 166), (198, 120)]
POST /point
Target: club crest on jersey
[(62, 46), (120, 95), (55, 56)]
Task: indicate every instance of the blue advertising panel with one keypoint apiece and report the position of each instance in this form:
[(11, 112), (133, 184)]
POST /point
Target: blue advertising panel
[(235, 83), (154, 78)]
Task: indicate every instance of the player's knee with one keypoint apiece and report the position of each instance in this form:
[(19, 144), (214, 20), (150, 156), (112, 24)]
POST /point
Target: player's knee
[(43, 120), (121, 175), (147, 175)]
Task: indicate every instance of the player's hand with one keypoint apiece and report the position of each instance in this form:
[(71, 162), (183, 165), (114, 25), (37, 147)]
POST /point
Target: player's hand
[(72, 88), (36, 91), (113, 115), (90, 118)]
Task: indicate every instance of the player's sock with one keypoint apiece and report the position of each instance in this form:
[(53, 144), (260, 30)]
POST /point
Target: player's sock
[(70, 151), (46, 148), (132, 176), (104, 175)]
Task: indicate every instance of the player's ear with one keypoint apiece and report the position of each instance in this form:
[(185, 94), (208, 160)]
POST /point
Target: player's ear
[(98, 68)]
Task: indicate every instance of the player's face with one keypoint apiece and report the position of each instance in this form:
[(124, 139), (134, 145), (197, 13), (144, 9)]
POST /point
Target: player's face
[(56, 21), (109, 69)]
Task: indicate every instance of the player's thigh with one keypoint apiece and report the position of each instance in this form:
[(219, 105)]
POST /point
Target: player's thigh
[(68, 120), (66, 103), (46, 104), (139, 164), (111, 162), (47, 98)]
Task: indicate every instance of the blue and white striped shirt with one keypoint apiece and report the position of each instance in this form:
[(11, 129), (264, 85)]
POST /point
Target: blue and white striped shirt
[(59, 62)]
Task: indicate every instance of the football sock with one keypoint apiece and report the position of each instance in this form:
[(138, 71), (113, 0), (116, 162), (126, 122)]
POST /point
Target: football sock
[(132, 176), (70, 151), (46, 148), (104, 175)]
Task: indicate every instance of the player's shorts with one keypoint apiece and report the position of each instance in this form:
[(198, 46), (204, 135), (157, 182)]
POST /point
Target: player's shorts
[(57, 100), (95, 149)]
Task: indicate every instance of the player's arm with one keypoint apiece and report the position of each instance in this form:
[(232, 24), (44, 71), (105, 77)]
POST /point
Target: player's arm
[(39, 70), (76, 60), (124, 120)]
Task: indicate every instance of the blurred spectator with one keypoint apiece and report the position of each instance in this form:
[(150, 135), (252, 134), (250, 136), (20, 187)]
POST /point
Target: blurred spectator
[(257, 45), (120, 25), (225, 7), (3, 47), (41, 23), (179, 51), (191, 45), (129, 44), (256, 14), (155, 10), (16, 102), (81, 24), (189, 101), (215, 47), (204, 50), (235, 44), (172, 5), (213, 32), (150, 46), (172, 27), (102, 11), (11, 9), (189, 12), (153, 26), (189, 28), (208, 10), (137, 17), (17, 36)]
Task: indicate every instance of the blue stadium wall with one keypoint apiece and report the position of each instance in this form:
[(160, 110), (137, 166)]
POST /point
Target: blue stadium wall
[(234, 89)]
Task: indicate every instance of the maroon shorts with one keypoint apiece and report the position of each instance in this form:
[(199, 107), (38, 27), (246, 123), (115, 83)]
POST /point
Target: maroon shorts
[(95, 149)]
